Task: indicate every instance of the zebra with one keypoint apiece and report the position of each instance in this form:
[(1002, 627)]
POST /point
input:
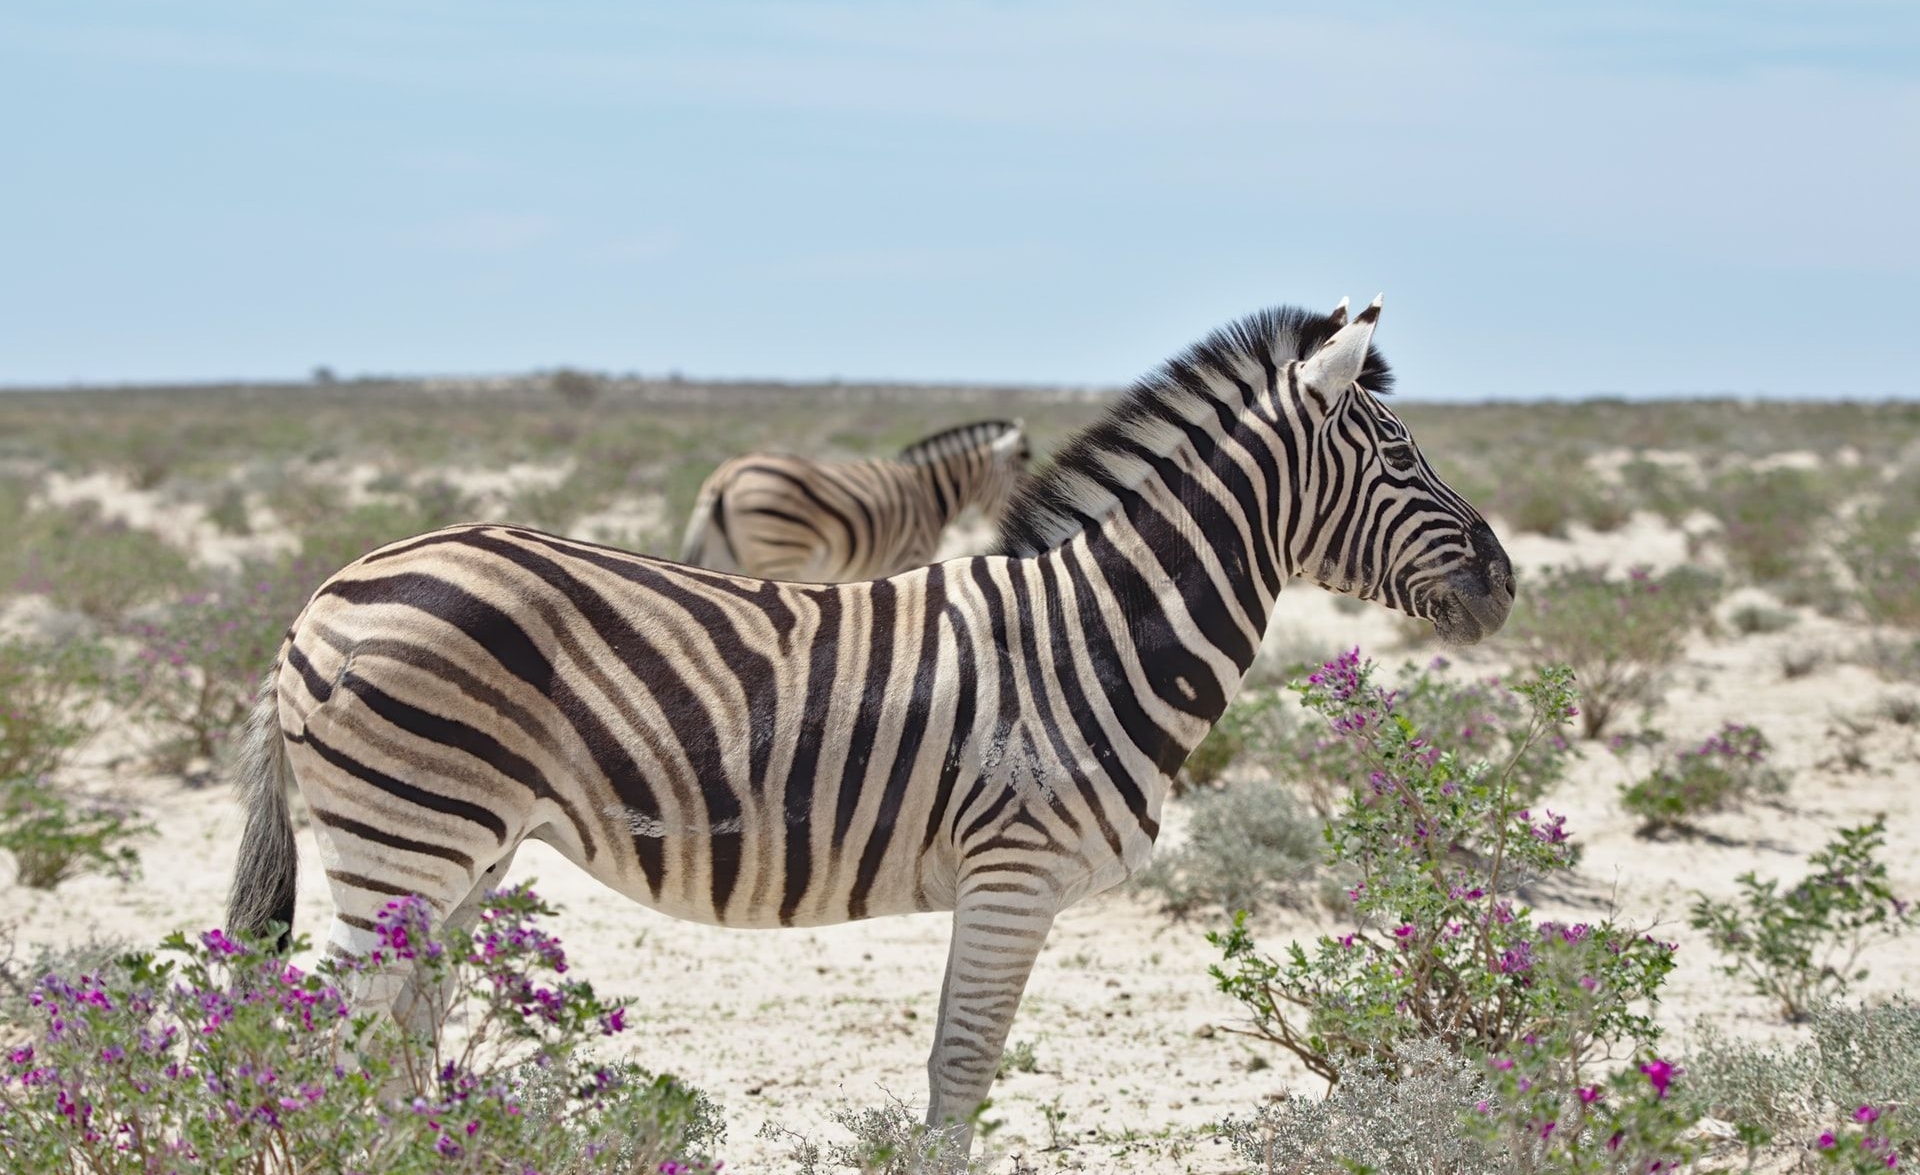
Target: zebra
[(993, 736), (781, 517)]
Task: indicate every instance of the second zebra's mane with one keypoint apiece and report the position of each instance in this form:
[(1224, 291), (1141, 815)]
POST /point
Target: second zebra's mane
[(1081, 484), (927, 450)]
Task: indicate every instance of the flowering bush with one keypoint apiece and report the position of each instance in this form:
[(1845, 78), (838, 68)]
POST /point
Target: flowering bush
[(1805, 943), (1439, 948), (1865, 1144), (1617, 636), (1546, 1113), (217, 1056), (1478, 719), (1719, 774)]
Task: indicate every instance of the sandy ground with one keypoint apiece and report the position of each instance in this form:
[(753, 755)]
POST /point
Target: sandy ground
[(1133, 1069)]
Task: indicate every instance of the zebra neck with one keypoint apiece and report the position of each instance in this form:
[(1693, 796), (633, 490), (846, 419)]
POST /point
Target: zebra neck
[(947, 486), (1190, 595)]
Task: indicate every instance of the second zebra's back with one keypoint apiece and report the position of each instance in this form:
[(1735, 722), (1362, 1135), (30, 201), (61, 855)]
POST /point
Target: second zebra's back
[(783, 517)]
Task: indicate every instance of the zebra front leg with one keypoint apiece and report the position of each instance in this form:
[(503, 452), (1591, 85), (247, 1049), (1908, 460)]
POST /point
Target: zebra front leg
[(997, 935)]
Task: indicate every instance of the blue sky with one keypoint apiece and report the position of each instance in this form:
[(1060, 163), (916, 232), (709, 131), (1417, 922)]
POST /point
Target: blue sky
[(1557, 200)]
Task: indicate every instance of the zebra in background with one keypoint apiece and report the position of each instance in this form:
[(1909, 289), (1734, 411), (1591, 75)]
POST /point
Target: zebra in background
[(781, 517), (993, 735)]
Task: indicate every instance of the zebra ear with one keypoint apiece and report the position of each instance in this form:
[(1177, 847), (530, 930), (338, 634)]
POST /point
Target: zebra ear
[(1339, 315), (1010, 440), (1336, 365)]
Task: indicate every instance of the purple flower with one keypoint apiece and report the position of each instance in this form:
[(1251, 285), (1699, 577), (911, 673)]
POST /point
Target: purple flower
[(1866, 1114), (1589, 1094), (1660, 1073), (1827, 1141)]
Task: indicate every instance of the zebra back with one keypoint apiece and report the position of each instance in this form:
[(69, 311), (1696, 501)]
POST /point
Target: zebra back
[(783, 517)]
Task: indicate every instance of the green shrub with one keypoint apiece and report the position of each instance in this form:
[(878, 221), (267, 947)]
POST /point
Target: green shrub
[(215, 1056), (887, 1140), (1805, 943), (339, 539), (53, 838), (45, 689), (96, 567), (198, 663), (1616, 635), (1216, 752), (1882, 550), (228, 510), (1860, 1055), (1249, 846), (1756, 619), (1720, 774), (1439, 950), (1651, 485), (1770, 518), (1400, 1115)]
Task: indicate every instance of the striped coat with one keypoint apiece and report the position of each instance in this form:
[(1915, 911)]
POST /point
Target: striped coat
[(781, 517), (993, 736)]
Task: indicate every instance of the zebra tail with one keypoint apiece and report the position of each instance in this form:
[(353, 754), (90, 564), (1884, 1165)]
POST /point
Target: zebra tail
[(263, 880)]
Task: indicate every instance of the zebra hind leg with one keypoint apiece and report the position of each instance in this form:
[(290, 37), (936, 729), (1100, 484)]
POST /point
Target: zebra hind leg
[(997, 935), (433, 1006), (394, 986)]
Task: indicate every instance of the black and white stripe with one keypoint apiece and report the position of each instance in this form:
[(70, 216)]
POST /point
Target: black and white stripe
[(993, 736), (782, 517)]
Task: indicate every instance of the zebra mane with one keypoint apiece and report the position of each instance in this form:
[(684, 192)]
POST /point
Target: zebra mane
[(1081, 484), (928, 450)]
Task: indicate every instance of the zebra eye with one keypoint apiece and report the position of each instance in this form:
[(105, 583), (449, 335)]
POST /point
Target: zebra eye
[(1398, 455)]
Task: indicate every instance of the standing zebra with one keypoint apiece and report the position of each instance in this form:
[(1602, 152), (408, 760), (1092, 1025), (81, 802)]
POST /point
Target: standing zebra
[(992, 736), (783, 517)]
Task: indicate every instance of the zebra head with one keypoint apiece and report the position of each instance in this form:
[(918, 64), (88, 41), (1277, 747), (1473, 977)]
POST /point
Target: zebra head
[(1378, 522)]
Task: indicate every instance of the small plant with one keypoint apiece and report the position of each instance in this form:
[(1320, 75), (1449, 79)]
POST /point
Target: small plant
[(1617, 636), (887, 1140), (1019, 1058), (228, 511), (1882, 550), (1854, 1055), (1055, 1117), (214, 1055), (44, 692), (97, 567), (1805, 943), (1249, 846), (1720, 774), (1757, 619), (1439, 949), (1769, 518), (53, 839), (1399, 1115)]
